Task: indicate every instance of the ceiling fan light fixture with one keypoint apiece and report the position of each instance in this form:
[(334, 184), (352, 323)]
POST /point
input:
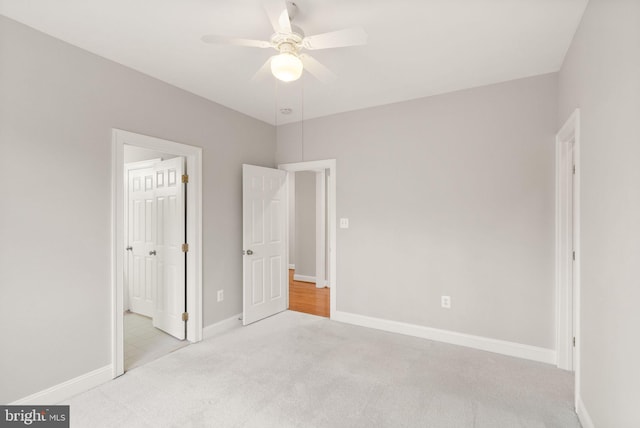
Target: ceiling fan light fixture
[(286, 67)]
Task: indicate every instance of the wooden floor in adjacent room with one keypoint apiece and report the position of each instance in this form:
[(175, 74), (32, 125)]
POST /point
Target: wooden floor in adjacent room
[(306, 297)]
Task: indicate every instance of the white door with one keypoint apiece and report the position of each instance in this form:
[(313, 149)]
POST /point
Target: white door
[(169, 302), (141, 236), (265, 277)]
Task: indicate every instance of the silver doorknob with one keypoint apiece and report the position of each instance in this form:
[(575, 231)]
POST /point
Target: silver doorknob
[(152, 253), (249, 252)]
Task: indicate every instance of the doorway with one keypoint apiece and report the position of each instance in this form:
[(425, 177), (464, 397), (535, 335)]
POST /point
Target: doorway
[(183, 262), (308, 286), (154, 268), (265, 237), (320, 175)]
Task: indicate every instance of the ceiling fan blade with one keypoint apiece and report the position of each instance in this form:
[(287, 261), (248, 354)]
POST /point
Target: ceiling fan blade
[(318, 70), (263, 71), (336, 39), (278, 15), (223, 40)]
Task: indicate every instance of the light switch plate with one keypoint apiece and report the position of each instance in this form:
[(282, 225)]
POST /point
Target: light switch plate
[(344, 223), (445, 302)]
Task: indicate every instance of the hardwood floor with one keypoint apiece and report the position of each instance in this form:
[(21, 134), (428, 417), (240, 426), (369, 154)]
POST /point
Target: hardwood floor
[(306, 297)]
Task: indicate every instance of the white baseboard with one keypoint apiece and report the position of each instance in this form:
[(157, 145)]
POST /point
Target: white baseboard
[(292, 267), (583, 415), (221, 326), (304, 278), (477, 342), (65, 390)]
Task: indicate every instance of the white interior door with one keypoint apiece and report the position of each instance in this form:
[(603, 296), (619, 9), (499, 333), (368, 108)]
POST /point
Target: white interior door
[(141, 233), (169, 302), (265, 277)]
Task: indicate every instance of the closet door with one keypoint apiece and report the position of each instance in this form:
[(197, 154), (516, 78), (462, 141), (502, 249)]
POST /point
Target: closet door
[(141, 219)]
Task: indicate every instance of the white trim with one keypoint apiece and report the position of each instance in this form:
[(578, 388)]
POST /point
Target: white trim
[(583, 415), (568, 303), (65, 390), (512, 349), (322, 283), (222, 326), (321, 235), (193, 156), (564, 243), (304, 278), (292, 267), (320, 165)]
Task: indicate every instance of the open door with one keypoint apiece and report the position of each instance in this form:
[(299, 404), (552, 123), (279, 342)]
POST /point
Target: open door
[(169, 300), (265, 275), (140, 220)]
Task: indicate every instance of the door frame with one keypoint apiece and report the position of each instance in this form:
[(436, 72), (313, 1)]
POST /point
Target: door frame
[(321, 232), (320, 166), (568, 297), (193, 156)]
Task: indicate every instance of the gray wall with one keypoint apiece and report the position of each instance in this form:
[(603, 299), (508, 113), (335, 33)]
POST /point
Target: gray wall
[(57, 107), (305, 202), (136, 154), (601, 76), (447, 195)]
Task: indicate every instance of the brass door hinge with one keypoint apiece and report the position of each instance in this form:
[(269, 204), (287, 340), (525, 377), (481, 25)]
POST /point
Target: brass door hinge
[(185, 248), (185, 178), (185, 316)]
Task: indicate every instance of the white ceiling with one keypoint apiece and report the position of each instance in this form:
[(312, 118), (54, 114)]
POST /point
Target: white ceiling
[(416, 48)]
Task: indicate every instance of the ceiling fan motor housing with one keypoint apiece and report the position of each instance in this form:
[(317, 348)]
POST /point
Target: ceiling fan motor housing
[(287, 42)]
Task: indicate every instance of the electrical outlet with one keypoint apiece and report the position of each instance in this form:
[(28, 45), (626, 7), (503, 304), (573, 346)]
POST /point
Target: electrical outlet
[(445, 302), (344, 223), (220, 295)]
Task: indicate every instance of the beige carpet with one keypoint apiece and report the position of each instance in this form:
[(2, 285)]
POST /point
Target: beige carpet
[(297, 370)]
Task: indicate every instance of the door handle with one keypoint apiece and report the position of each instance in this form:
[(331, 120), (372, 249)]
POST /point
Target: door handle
[(152, 253), (129, 248), (248, 252)]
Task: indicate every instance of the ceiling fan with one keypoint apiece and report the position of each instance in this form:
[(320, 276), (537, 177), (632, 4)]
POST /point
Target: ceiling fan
[(289, 40)]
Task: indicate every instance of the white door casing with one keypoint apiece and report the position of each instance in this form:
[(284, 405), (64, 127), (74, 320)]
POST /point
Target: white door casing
[(169, 302), (141, 216), (568, 246), (265, 278), (321, 235)]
